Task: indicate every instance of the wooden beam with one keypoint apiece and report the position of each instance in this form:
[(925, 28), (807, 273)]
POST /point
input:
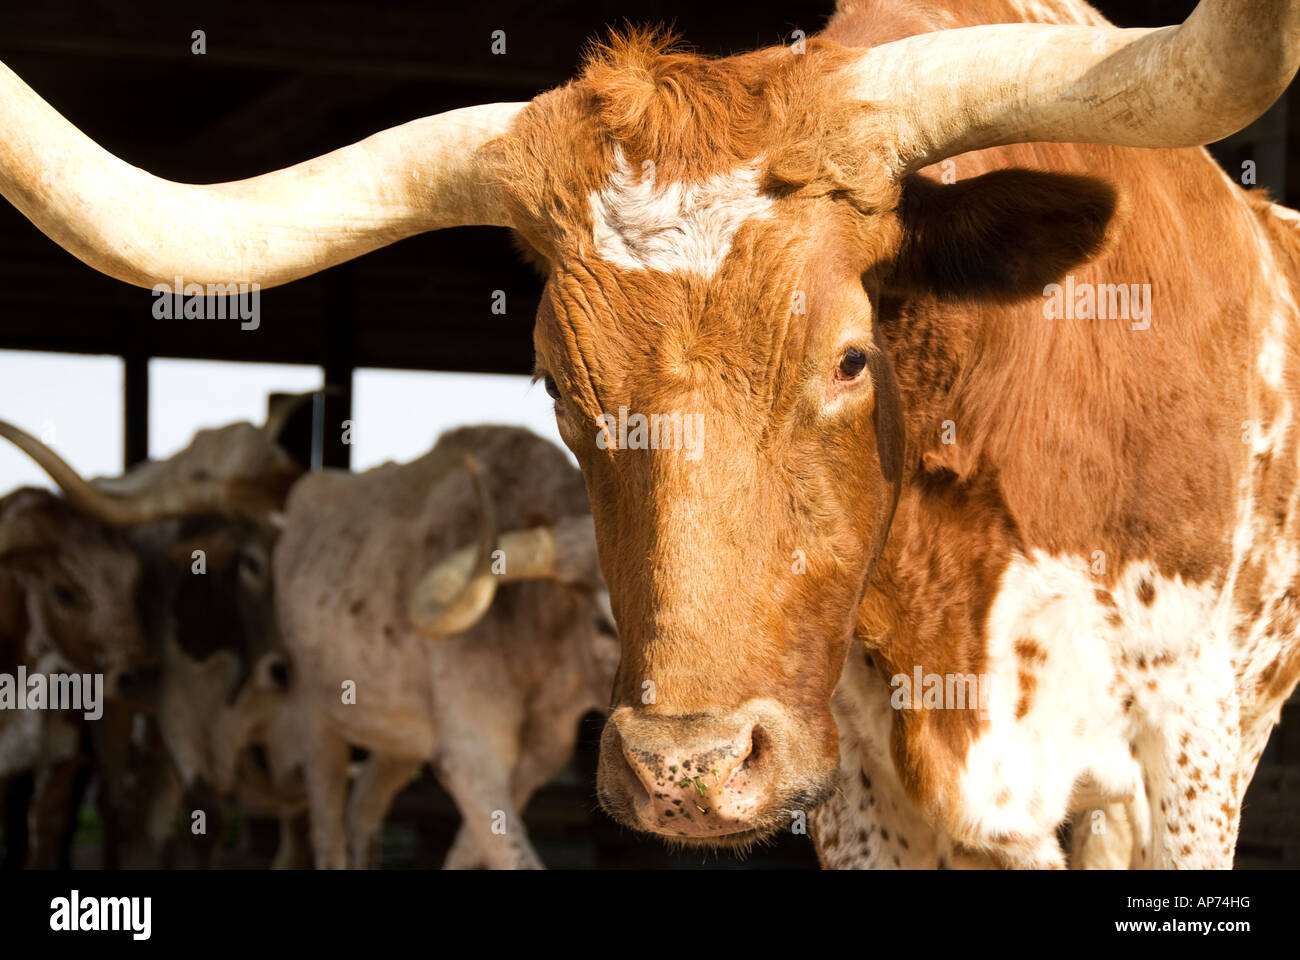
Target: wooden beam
[(360, 39)]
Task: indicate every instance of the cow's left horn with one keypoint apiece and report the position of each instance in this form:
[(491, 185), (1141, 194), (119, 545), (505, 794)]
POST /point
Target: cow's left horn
[(230, 496), (424, 175), (948, 92)]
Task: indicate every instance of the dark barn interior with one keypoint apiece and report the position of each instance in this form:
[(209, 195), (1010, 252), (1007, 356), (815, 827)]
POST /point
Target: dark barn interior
[(284, 80)]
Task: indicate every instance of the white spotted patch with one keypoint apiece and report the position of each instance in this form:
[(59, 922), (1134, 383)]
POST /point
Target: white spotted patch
[(1123, 697), (1256, 538), (675, 227), (1059, 721)]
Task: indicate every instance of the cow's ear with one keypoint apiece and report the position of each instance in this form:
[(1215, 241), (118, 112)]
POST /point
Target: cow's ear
[(1004, 235)]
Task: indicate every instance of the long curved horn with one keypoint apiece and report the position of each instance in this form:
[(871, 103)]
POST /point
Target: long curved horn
[(565, 553), (230, 496), (424, 175), (952, 91), (453, 595)]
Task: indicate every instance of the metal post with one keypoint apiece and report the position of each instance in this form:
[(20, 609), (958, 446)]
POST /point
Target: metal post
[(336, 426), (135, 410)]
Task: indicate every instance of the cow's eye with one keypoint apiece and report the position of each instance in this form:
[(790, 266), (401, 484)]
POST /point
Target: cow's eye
[(251, 565), (852, 363), (66, 595), (552, 387)]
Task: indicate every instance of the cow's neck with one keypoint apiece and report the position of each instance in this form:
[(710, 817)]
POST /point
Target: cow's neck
[(1085, 504)]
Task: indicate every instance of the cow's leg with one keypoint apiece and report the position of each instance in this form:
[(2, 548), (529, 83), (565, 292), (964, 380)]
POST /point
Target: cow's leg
[(207, 845), (1102, 839), (110, 746), (326, 772), (75, 798), (481, 788), (18, 792), (53, 812), (382, 777), (1110, 833), (1033, 853), (285, 848), (60, 765), (464, 853), (540, 762), (1191, 758), (293, 851), (21, 738), (151, 841), (543, 757)]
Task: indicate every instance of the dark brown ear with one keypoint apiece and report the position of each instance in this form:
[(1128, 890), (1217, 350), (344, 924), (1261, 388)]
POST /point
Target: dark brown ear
[(1001, 236)]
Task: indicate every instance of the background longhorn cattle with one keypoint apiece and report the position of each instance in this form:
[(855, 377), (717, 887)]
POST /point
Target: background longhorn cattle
[(381, 659), (199, 550), (209, 611), (67, 585)]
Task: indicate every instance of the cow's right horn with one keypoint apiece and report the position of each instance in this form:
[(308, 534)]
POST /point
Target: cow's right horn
[(424, 175), (229, 496)]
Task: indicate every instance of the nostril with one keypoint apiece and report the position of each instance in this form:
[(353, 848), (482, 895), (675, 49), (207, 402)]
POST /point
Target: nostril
[(757, 751), (631, 772)]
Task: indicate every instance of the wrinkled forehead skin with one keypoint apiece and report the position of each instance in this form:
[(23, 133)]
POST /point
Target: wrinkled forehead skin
[(697, 273)]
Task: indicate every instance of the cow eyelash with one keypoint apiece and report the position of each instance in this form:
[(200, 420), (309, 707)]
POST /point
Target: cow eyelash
[(552, 388)]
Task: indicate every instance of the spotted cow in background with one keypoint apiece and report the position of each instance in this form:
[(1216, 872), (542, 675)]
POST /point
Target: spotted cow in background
[(486, 683)]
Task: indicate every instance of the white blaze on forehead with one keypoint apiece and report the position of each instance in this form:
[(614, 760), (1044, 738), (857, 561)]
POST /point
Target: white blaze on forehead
[(676, 227)]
